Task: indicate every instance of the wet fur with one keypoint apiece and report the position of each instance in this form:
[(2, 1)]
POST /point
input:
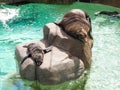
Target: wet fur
[(36, 53), (77, 24)]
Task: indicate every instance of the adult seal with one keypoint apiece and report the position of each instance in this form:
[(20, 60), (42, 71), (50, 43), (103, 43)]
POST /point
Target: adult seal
[(77, 24)]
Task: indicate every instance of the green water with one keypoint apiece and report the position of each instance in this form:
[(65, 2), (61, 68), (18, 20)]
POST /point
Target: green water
[(20, 24)]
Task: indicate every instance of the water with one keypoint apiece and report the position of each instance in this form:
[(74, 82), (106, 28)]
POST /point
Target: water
[(20, 24), (105, 69)]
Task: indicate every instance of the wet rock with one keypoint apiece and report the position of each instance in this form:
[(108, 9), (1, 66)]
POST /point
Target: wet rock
[(60, 64)]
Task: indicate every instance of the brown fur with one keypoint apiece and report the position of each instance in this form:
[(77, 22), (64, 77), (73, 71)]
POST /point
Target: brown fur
[(77, 24)]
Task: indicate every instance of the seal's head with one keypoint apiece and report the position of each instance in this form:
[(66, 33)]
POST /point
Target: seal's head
[(36, 53), (77, 24)]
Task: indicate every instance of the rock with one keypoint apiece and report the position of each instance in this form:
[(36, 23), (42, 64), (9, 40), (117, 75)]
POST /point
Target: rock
[(62, 64)]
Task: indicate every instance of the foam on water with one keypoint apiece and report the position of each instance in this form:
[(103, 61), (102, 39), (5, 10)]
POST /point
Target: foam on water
[(6, 14)]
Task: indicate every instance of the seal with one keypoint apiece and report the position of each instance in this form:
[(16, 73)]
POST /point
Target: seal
[(35, 52), (77, 24), (112, 14)]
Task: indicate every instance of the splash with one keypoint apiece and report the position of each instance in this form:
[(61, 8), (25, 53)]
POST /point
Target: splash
[(7, 14)]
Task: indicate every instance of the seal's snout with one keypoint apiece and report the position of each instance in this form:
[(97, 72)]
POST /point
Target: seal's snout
[(39, 62)]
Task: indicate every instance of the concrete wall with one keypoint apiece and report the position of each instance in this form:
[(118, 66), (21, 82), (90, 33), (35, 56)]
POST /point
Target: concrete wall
[(115, 3), (38, 1)]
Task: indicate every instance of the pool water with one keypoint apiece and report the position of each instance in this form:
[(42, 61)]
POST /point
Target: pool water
[(20, 24)]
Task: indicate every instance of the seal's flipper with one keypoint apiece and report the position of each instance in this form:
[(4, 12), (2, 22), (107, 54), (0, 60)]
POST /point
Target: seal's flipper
[(48, 49), (57, 22), (25, 58), (25, 46)]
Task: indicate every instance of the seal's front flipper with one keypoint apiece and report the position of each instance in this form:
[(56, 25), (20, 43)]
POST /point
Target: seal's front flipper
[(48, 49), (25, 46), (25, 58)]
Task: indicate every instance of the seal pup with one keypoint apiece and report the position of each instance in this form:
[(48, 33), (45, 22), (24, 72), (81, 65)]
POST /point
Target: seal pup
[(77, 24), (36, 53)]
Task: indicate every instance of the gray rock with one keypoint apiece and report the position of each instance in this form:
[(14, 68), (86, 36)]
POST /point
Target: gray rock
[(65, 62)]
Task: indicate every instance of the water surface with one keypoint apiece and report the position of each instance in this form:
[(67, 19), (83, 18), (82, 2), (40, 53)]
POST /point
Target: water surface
[(20, 24)]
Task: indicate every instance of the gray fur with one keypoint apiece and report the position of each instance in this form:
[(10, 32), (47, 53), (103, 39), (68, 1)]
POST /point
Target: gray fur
[(36, 53)]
